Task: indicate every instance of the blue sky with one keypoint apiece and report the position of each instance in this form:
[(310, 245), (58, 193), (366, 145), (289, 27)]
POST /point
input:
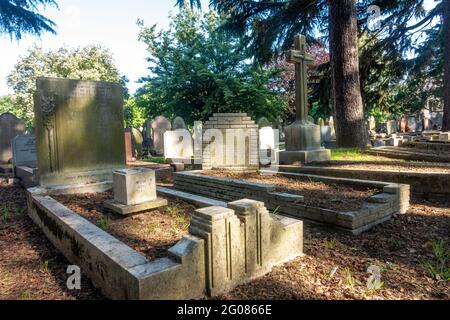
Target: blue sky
[(106, 22), (84, 22)]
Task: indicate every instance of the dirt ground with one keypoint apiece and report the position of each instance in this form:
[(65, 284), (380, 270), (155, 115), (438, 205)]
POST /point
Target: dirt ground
[(151, 233), (334, 267), (317, 194)]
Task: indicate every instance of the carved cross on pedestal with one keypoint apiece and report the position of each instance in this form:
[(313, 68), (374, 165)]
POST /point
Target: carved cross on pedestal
[(301, 59)]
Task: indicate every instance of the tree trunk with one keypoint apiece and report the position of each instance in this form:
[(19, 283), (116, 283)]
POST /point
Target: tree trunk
[(446, 28), (351, 128)]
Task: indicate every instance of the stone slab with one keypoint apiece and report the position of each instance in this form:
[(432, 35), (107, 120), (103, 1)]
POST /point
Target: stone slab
[(290, 157), (197, 200), (125, 210)]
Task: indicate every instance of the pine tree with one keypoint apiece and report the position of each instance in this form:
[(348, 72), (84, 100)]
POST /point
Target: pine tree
[(21, 16)]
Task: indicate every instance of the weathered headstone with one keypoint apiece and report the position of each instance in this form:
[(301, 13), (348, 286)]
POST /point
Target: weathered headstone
[(79, 131), (134, 191), (303, 141), (178, 146), (371, 123), (136, 143), (333, 127), (426, 124), (159, 126), (325, 133), (24, 151), (391, 127), (128, 146), (412, 124), (178, 124), (10, 127), (403, 125)]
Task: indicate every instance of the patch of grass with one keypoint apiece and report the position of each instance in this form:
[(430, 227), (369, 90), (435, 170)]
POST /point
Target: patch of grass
[(5, 215), (180, 223), (45, 266), (355, 154), (25, 295), (152, 227), (104, 223), (172, 210), (351, 281), (276, 211), (331, 244), (439, 267), (160, 160)]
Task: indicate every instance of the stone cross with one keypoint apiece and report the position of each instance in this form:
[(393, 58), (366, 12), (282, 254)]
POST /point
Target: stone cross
[(301, 59)]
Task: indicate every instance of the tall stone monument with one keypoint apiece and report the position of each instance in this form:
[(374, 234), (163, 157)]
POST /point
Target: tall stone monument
[(79, 131), (10, 127), (303, 140)]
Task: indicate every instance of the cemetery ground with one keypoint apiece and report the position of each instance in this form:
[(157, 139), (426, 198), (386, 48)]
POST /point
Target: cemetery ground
[(410, 249)]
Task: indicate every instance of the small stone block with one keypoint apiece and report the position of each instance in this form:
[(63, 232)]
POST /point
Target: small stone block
[(134, 186), (131, 209)]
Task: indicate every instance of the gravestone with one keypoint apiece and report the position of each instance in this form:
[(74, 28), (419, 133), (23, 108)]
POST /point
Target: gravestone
[(159, 126), (137, 141), (10, 127), (426, 124), (333, 128), (371, 123), (147, 144), (178, 146), (134, 191), (230, 141), (325, 133), (303, 140), (412, 124), (403, 125), (128, 146), (178, 124), (79, 131), (24, 151), (391, 127)]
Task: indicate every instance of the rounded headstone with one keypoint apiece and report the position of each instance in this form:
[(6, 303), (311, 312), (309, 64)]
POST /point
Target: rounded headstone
[(263, 123), (10, 127), (178, 123)]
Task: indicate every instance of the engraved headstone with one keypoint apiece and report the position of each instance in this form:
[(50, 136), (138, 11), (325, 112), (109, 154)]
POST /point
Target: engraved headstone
[(79, 131), (159, 126), (24, 151), (10, 127)]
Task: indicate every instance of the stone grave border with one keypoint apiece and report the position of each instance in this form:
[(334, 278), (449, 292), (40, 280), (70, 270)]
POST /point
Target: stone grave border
[(379, 208), (412, 154), (189, 269), (422, 184)]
